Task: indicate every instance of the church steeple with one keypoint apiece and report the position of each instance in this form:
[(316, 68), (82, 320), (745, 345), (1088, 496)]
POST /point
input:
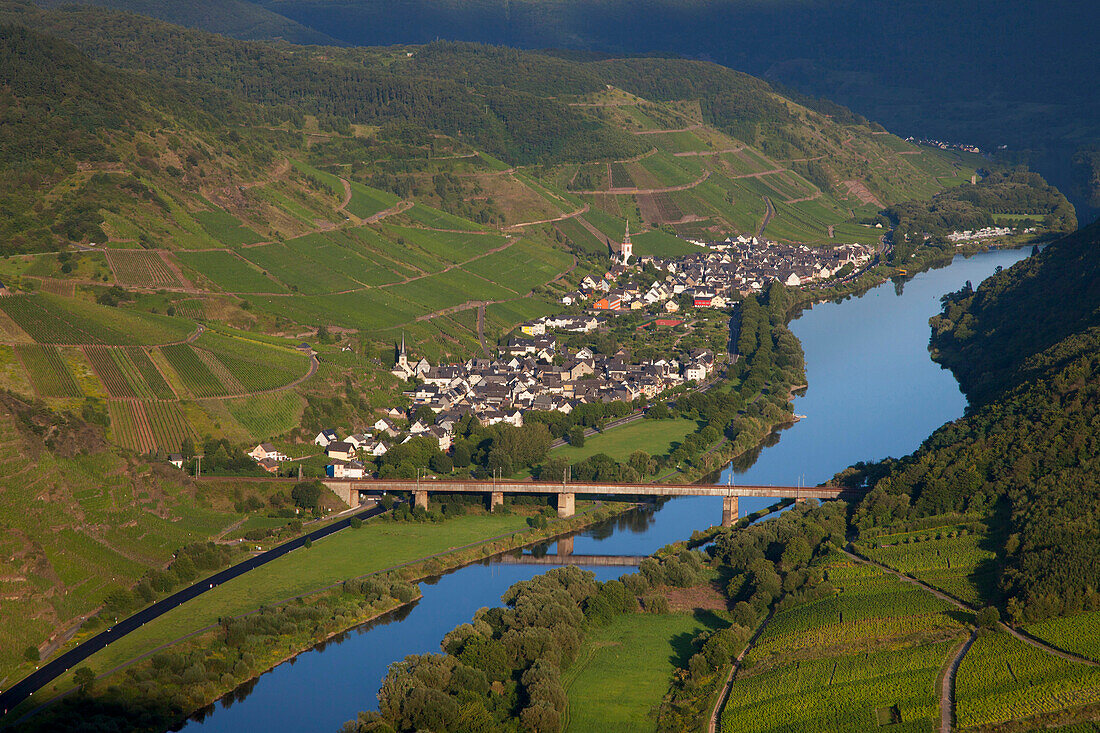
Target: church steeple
[(626, 250), (402, 355)]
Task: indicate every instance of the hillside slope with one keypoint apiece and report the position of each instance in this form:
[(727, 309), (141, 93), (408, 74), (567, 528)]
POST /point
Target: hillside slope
[(235, 18), (351, 196), (81, 524), (1026, 346)]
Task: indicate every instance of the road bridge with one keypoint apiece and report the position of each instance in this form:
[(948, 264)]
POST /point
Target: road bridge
[(566, 492)]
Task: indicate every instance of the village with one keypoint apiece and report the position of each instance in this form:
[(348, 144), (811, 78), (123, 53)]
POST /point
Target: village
[(532, 371)]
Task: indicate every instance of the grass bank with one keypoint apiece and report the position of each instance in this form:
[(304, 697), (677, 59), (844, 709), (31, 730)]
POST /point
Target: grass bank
[(623, 669), (402, 551)]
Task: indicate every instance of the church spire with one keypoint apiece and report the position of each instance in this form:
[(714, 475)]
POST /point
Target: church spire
[(626, 249)]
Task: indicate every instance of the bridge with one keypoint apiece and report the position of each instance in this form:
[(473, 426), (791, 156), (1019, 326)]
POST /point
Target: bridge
[(349, 491)]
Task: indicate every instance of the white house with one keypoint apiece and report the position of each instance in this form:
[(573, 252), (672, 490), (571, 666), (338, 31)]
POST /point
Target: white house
[(267, 450), (325, 437), (351, 469)]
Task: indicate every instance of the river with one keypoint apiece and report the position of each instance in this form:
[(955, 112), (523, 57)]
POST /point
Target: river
[(873, 392)]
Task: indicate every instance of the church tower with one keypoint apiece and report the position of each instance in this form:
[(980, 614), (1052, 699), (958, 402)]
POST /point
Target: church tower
[(403, 356), (626, 250)]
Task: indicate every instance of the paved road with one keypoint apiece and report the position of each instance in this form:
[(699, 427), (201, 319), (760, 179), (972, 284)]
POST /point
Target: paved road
[(46, 674)]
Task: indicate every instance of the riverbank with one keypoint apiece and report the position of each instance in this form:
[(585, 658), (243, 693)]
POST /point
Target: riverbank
[(205, 640)]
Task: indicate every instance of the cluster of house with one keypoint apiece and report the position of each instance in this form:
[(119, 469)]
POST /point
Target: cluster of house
[(711, 277), (748, 264), (501, 390), (933, 143), (968, 235)]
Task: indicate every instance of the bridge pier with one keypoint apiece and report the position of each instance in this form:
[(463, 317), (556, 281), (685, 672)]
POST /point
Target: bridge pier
[(420, 499), (565, 546), (729, 510), (567, 504), (496, 499)]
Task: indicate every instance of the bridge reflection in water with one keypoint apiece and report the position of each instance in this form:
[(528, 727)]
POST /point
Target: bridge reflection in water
[(565, 556)]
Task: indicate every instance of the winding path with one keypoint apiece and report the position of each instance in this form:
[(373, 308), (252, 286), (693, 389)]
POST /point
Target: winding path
[(716, 713), (947, 685), (769, 214), (631, 191)]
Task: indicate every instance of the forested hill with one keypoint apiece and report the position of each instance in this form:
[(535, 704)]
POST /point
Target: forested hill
[(235, 18), (1026, 346), (998, 336)]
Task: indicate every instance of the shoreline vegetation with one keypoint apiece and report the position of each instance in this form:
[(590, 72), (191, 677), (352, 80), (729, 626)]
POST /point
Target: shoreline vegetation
[(347, 605)]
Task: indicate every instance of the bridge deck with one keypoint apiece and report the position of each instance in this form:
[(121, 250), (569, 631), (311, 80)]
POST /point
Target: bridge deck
[(591, 487)]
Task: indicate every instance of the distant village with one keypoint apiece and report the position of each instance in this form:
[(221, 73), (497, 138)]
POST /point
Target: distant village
[(533, 373), (968, 235), (716, 274), (934, 143)]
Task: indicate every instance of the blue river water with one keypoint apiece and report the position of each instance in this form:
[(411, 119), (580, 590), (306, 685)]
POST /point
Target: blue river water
[(873, 392)]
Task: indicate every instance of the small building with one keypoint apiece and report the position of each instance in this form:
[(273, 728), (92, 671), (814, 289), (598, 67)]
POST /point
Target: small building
[(325, 437), (176, 459), (267, 450), (349, 469), (269, 464), (340, 450)]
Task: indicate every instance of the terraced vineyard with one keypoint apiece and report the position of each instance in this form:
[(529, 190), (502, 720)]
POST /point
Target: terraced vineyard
[(142, 268), (952, 558), (1002, 678), (47, 371), (145, 427), (50, 319), (867, 655), (1079, 633)]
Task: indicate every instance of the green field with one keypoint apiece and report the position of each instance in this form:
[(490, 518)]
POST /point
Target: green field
[(376, 545), (229, 272), (652, 436), (1002, 678), (623, 669)]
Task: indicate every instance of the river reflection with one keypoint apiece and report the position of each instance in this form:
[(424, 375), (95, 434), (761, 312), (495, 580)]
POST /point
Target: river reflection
[(873, 392)]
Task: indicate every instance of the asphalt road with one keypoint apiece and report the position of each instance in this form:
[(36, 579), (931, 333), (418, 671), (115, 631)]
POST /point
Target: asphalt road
[(47, 673)]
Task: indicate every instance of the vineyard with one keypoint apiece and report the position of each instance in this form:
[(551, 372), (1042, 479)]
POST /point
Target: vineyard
[(951, 558), (268, 415), (220, 366), (1002, 678), (142, 268), (1079, 633), (128, 373), (50, 319), (866, 654), (47, 371), (146, 427), (871, 606), (192, 371), (856, 692)]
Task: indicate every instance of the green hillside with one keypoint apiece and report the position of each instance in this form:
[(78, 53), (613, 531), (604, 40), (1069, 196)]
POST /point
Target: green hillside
[(166, 178), (235, 18)]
